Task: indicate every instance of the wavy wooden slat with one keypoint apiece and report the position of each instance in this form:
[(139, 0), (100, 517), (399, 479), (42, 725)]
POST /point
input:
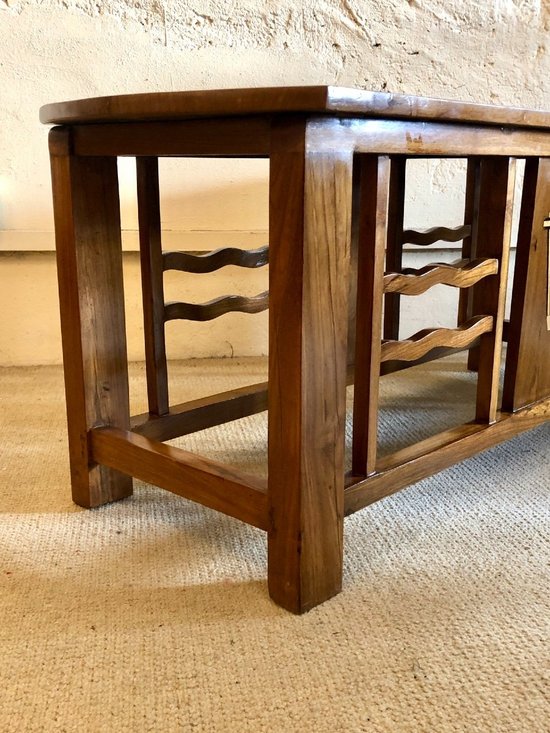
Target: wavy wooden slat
[(424, 341), (459, 274), (210, 261), (436, 234), (215, 308)]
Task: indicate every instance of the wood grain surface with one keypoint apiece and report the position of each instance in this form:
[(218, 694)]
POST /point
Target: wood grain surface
[(394, 242), (331, 150), (436, 234), (460, 274), (373, 217), (527, 376), (471, 201), (89, 261), (273, 100), (440, 139), (310, 231), (438, 452), (195, 477), (152, 284), (492, 239), (424, 341), (216, 307), (188, 417), (215, 260)]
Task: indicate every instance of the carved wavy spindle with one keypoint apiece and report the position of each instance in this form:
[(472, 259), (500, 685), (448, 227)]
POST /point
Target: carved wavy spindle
[(211, 261), (459, 274), (215, 308), (436, 234), (424, 341)]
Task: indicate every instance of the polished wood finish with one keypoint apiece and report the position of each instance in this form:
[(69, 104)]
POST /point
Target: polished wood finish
[(275, 100), (493, 225), (394, 243), (527, 377), (395, 137), (424, 341), (308, 284), (337, 162), (436, 234), (374, 203), (354, 255), (393, 365), (186, 474), (429, 456), (152, 285), (251, 138), (215, 260), (203, 413), (209, 262), (461, 274), (241, 137), (471, 201), (89, 262), (216, 307)]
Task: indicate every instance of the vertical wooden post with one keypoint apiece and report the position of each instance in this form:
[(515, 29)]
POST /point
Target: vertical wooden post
[(469, 248), (152, 284), (471, 202), (354, 253), (373, 223), (310, 221), (89, 258), (527, 377), (494, 224), (394, 245)]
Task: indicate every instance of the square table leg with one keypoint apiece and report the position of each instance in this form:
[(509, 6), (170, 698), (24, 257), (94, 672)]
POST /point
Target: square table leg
[(89, 259), (310, 231)]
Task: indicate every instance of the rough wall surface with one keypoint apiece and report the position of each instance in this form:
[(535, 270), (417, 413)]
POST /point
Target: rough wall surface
[(493, 51), (488, 51)]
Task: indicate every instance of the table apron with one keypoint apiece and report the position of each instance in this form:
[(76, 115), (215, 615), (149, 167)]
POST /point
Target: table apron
[(252, 137)]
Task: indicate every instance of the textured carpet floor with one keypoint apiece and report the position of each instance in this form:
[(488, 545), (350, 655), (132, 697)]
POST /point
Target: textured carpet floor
[(152, 614)]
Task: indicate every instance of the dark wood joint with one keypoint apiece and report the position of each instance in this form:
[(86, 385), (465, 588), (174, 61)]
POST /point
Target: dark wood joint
[(60, 142)]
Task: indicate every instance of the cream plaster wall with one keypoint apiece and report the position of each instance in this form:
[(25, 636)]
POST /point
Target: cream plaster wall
[(50, 50)]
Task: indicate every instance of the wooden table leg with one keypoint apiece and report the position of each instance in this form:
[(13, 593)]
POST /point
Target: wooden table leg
[(310, 222), (87, 224), (527, 377)]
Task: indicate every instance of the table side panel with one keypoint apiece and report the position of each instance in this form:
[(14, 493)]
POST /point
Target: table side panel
[(223, 137)]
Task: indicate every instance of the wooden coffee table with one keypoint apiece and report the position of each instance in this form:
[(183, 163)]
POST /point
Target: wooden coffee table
[(337, 180)]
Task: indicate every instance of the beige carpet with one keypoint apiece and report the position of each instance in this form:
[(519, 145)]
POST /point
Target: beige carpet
[(152, 614)]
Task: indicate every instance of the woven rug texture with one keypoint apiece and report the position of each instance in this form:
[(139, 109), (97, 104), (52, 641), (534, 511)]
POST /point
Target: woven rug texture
[(152, 614)]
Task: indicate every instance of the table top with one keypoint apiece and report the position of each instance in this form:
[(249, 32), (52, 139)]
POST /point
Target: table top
[(322, 100)]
